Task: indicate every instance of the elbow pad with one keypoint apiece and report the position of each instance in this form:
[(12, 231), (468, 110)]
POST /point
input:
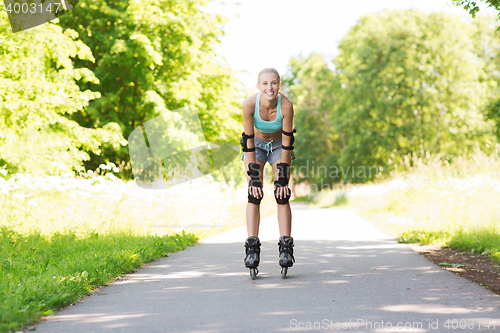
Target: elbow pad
[(290, 147)]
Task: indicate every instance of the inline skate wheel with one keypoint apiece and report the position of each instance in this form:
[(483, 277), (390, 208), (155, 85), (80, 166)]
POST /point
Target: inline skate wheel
[(283, 272), (253, 273)]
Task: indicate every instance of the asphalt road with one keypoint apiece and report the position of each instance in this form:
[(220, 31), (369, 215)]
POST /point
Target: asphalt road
[(348, 276)]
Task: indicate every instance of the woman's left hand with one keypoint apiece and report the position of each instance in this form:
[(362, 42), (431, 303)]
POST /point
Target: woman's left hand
[(282, 191)]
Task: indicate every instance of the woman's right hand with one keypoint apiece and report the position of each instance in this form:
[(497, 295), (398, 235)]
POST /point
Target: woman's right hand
[(255, 191), (255, 184)]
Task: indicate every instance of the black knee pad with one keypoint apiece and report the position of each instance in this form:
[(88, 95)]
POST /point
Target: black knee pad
[(255, 200), (284, 200)]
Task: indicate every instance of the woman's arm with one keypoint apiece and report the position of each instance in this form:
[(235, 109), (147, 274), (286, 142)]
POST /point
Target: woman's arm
[(281, 190), (253, 172), (287, 113), (248, 112)]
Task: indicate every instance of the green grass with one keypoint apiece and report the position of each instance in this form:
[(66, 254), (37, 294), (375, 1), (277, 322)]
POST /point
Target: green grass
[(485, 241), (61, 239), (423, 236), (434, 202), (40, 274)]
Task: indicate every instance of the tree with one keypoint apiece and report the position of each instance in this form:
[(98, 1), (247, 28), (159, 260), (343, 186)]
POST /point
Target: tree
[(487, 43), (472, 7), (314, 89), (153, 56), (38, 92), (413, 82)]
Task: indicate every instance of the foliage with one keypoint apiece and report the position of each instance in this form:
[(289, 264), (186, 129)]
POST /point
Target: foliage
[(315, 89), (151, 57), (414, 82), (487, 44), (404, 82), (472, 7), (38, 93)]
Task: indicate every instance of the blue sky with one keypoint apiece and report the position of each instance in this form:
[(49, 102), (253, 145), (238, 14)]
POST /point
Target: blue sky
[(267, 33)]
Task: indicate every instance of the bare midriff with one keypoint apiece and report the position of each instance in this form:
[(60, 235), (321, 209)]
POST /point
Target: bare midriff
[(268, 136)]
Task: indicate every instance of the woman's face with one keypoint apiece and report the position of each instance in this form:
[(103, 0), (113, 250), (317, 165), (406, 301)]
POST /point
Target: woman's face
[(269, 85)]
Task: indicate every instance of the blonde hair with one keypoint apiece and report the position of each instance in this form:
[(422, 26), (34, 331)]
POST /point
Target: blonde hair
[(269, 70)]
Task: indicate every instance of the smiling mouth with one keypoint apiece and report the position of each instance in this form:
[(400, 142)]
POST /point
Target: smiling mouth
[(269, 93)]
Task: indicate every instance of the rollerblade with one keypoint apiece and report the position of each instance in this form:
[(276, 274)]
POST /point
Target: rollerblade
[(252, 251), (286, 254)]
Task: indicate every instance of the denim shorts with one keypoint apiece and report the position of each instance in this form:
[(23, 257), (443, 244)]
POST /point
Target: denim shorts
[(267, 151)]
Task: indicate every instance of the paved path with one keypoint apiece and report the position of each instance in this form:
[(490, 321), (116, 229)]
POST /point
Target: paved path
[(347, 273)]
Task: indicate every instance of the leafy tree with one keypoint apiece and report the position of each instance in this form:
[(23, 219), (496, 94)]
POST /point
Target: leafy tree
[(38, 92), (413, 82), (472, 7), (152, 56), (315, 90), (487, 43)]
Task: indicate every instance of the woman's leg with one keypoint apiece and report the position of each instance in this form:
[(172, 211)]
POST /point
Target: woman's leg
[(284, 211), (253, 210)]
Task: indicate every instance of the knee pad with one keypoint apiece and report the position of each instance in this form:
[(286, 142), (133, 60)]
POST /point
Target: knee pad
[(254, 173), (283, 174), (282, 201), (254, 200)]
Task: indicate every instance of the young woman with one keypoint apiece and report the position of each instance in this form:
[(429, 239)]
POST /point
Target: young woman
[(268, 137)]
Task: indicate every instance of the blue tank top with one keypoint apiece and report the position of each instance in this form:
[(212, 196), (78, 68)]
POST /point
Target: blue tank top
[(267, 126)]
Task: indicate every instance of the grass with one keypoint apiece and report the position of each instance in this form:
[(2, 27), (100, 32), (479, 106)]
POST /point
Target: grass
[(62, 237), (431, 201), (484, 241), (39, 274)]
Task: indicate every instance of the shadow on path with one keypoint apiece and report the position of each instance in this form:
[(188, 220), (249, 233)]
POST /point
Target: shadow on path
[(341, 277)]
